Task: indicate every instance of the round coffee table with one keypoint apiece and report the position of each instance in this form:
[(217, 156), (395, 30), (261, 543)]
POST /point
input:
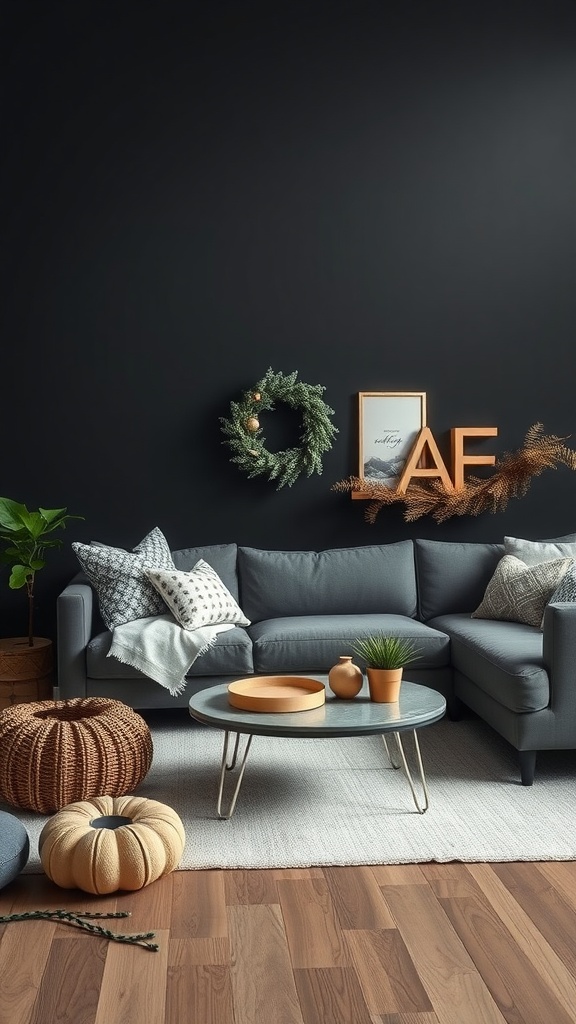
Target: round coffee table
[(418, 706)]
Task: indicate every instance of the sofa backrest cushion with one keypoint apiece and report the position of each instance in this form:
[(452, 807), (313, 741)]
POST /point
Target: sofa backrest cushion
[(338, 581), (453, 577), (532, 552), (222, 558)]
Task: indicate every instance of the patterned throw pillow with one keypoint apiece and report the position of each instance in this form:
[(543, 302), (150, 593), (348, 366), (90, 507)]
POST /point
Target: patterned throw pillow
[(518, 592), (197, 598), (124, 592), (566, 589)]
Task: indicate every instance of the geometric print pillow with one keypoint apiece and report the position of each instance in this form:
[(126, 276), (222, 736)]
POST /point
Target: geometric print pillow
[(566, 589), (198, 597), (518, 592), (124, 592)]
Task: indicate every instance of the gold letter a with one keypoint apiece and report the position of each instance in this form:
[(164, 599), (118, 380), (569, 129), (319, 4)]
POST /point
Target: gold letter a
[(425, 439)]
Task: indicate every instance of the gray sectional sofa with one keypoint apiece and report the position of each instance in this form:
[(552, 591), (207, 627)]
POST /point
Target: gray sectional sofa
[(306, 607)]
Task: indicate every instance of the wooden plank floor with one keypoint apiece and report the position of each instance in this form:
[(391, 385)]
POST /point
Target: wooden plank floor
[(406, 944)]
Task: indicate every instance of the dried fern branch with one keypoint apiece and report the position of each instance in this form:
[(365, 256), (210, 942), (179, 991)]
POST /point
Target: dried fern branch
[(512, 477)]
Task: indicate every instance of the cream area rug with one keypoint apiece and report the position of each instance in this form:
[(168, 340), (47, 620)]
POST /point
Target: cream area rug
[(307, 802)]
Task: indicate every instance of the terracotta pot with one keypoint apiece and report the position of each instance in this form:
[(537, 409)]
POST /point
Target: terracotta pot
[(345, 679), (384, 684)]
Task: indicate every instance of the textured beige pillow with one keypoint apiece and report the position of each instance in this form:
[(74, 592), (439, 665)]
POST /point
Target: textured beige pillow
[(518, 592), (197, 598)]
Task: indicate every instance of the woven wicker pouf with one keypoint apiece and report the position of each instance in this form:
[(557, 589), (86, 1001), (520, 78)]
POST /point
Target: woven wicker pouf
[(107, 843), (53, 752)]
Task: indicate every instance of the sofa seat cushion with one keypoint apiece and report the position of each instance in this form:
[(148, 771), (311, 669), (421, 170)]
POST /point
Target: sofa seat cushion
[(313, 643), (504, 659), (370, 579), (230, 655)]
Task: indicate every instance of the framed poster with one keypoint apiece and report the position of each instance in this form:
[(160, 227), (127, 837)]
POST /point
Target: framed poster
[(390, 422)]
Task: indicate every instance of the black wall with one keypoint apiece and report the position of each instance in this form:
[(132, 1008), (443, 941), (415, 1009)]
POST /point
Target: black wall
[(381, 197)]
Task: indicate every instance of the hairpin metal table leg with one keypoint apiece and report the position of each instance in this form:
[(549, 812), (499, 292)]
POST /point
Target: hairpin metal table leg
[(387, 748), (228, 767), (419, 807)]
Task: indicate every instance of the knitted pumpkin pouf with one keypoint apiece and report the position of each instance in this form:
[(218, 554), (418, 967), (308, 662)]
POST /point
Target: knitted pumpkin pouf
[(107, 844), (53, 752)]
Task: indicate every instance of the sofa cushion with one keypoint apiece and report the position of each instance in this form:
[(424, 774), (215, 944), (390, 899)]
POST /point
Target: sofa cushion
[(196, 598), (222, 557), (369, 579), (532, 552), (504, 659), (14, 847), (314, 643), (519, 592), (452, 576), (230, 655), (124, 593)]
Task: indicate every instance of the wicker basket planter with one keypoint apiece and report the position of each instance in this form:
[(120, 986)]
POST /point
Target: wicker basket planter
[(53, 753), (26, 673)]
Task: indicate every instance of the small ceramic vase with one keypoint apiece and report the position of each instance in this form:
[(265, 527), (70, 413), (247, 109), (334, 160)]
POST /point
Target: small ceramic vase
[(345, 679)]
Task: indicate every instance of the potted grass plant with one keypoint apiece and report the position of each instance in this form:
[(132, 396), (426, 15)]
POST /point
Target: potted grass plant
[(385, 658), (26, 662)]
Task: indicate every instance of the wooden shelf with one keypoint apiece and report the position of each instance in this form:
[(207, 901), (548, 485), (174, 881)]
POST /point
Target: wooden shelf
[(361, 496)]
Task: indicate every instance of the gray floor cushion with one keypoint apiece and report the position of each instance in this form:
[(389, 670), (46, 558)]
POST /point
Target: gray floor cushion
[(14, 847)]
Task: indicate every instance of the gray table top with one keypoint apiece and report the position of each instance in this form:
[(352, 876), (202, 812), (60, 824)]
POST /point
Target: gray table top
[(418, 705)]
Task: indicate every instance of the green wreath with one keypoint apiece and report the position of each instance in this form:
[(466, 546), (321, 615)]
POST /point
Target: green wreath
[(245, 437)]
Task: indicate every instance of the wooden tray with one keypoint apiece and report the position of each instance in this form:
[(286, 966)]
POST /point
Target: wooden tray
[(276, 693)]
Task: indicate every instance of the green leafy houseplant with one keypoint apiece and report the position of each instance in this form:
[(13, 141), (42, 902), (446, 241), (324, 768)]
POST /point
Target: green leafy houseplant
[(24, 535), (380, 651)]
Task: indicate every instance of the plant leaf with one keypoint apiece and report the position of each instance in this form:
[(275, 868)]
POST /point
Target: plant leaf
[(18, 577), (11, 514), (380, 651), (49, 514)]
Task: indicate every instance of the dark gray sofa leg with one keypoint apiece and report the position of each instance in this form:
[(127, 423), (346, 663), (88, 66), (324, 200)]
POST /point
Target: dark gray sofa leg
[(527, 766), (454, 708)]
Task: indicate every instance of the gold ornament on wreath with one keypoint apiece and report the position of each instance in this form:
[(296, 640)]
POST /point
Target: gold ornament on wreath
[(511, 479), (244, 435)]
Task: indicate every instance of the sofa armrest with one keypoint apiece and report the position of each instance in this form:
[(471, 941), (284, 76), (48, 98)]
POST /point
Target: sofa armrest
[(559, 650), (74, 609)]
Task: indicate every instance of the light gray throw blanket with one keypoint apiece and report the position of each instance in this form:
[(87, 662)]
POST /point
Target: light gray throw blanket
[(162, 649)]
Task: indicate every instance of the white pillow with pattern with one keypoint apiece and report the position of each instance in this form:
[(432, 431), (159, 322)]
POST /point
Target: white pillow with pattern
[(198, 597)]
